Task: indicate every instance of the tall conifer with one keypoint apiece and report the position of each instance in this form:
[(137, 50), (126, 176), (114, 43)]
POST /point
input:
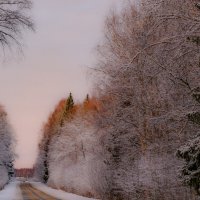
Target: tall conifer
[(67, 109)]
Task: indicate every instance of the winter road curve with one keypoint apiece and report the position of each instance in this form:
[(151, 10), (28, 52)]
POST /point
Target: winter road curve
[(31, 193)]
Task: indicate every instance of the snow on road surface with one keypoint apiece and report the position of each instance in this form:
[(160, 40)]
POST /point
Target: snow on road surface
[(13, 192), (58, 193)]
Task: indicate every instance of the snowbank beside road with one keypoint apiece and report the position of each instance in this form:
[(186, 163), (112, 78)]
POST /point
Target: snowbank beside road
[(57, 193), (3, 176), (11, 192)]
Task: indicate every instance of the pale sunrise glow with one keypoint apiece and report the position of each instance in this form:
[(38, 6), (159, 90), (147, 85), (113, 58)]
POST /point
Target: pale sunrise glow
[(55, 62)]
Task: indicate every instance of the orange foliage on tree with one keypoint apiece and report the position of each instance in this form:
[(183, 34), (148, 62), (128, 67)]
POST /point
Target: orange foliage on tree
[(59, 116), (54, 117), (91, 104)]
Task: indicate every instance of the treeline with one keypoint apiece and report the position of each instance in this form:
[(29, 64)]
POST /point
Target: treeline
[(7, 154), (13, 20), (144, 126), (24, 172)]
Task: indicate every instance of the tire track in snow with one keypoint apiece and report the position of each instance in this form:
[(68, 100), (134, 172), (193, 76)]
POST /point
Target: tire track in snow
[(31, 193)]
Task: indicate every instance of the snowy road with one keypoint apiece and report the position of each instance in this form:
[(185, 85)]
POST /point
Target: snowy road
[(18, 190), (31, 193)]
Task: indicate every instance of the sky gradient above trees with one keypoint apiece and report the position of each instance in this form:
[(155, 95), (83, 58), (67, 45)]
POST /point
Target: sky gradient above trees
[(55, 62)]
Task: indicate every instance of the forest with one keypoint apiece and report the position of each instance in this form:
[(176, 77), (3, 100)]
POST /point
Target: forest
[(136, 136)]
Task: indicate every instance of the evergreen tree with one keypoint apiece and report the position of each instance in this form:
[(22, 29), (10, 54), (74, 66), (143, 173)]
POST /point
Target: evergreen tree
[(86, 101), (46, 171), (46, 166), (67, 109), (10, 168), (190, 152), (70, 102), (87, 98)]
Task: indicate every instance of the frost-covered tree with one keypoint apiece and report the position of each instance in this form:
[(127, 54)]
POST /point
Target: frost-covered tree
[(147, 69), (41, 167), (7, 154), (49, 129), (190, 152), (183, 66), (191, 170), (71, 156), (63, 112), (71, 148)]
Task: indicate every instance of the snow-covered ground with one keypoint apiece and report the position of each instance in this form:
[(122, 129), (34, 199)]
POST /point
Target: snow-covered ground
[(11, 192), (58, 193)]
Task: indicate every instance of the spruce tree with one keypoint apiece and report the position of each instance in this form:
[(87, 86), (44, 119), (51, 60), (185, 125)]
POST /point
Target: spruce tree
[(70, 102), (191, 151), (86, 103), (10, 168), (67, 109), (87, 99), (45, 161)]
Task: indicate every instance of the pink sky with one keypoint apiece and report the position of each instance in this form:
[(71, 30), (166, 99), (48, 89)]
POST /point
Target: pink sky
[(55, 62)]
